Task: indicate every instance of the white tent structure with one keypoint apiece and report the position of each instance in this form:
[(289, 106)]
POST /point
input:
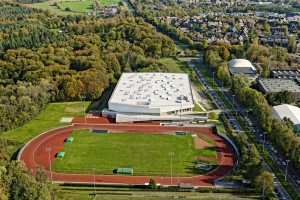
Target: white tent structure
[(289, 111), (242, 67)]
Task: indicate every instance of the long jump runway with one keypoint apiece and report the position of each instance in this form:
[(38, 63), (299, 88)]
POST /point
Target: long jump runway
[(40, 151)]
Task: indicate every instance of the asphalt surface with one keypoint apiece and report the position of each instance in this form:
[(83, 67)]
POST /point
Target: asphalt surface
[(230, 114)]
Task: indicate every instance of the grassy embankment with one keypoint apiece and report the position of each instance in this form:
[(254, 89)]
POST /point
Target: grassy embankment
[(47, 119)]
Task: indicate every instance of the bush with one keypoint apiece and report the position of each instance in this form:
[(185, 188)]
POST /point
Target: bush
[(68, 9), (213, 115)]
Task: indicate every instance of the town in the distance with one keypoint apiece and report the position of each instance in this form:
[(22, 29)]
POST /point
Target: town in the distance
[(149, 99)]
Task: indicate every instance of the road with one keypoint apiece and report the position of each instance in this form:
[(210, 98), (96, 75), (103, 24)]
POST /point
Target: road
[(230, 115), (292, 176)]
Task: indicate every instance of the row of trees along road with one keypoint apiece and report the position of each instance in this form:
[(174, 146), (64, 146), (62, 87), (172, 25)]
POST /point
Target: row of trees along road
[(250, 165), (280, 132)]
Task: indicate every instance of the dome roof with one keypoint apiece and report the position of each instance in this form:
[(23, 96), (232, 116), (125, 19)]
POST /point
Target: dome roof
[(288, 111), (241, 63)]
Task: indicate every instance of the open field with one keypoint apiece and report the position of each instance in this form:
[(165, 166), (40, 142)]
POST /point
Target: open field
[(131, 195), (109, 2), (173, 65), (47, 119), (74, 6), (148, 154)]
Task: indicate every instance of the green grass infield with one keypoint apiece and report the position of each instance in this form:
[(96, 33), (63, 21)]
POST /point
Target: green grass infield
[(147, 154)]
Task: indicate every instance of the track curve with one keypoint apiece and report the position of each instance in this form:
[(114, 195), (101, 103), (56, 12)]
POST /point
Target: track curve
[(35, 155)]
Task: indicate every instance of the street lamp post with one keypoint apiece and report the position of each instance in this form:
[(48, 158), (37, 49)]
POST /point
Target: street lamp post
[(264, 140), (233, 103), (94, 182), (213, 80), (83, 111), (264, 187), (286, 169), (222, 87), (49, 149)]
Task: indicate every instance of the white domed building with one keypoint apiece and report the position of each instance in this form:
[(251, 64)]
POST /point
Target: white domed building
[(242, 67), (288, 111)]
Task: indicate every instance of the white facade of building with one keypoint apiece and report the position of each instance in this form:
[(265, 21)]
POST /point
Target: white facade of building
[(152, 94)]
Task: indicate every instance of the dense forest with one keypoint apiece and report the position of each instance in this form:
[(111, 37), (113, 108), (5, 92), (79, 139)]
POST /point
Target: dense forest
[(47, 58), (44, 57)]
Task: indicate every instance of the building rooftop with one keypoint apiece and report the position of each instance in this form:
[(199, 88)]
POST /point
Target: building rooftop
[(288, 111), (241, 66), (285, 74), (277, 85), (153, 90)]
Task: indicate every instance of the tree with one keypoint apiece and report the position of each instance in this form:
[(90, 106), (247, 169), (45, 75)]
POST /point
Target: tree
[(285, 30), (68, 9), (266, 28), (288, 122), (264, 183), (223, 74), (3, 188), (213, 116), (23, 186), (152, 184), (292, 44), (213, 58), (225, 53), (282, 97)]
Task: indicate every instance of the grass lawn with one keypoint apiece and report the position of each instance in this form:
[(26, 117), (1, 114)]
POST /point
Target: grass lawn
[(208, 152), (76, 6), (47, 119), (80, 6), (147, 154), (109, 2), (131, 195), (173, 65), (48, 6)]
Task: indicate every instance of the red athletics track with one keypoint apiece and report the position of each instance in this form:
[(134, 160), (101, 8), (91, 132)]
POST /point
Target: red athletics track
[(35, 155)]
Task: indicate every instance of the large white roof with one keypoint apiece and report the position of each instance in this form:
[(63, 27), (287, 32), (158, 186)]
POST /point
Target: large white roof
[(288, 111), (160, 91), (241, 66), (240, 63)]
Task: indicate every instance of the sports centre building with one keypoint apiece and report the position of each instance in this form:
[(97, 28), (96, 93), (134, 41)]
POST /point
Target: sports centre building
[(151, 96)]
